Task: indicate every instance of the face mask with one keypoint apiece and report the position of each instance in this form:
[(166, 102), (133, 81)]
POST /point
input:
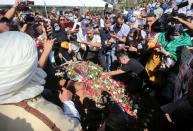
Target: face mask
[(71, 18), (143, 22), (75, 17), (66, 29), (174, 37), (57, 28), (130, 38), (178, 1)]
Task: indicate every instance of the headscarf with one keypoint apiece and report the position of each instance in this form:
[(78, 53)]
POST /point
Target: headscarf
[(173, 46), (20, 78)]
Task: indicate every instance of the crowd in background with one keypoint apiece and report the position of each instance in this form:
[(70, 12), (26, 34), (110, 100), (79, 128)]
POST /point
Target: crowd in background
[(148, 48)]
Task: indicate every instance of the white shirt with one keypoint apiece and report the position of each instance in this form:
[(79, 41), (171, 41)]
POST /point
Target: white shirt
[(97, 39), (81, 35), (102, 23)]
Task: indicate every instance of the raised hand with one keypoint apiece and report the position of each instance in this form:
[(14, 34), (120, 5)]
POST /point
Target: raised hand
[(48, 45), (17, 2)]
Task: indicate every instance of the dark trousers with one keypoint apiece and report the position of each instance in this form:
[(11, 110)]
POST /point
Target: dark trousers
[(102, 60), (91, 56)]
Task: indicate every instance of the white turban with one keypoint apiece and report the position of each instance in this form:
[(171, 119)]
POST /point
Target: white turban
[(20, 78)]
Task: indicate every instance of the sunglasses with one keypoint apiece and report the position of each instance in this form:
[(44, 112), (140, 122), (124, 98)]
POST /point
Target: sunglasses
[(62, 19)]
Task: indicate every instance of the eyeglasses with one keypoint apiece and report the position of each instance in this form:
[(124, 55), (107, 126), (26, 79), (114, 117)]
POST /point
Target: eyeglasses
[(62, 19)]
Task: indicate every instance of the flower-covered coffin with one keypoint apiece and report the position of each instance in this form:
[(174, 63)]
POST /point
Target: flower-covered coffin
[(92, 83)]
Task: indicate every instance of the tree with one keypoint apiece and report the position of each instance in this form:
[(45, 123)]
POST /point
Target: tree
[(127, 3)]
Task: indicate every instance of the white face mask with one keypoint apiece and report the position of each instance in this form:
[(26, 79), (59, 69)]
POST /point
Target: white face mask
[(71, 18), (75, 17), (130, 38), (57, 28)]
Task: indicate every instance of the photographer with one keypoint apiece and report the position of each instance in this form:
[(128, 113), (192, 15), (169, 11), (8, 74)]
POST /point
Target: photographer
[(28, 22), (5, 21)]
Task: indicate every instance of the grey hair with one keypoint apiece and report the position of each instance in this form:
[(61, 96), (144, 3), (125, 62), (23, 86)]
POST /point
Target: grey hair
[(89, 28)]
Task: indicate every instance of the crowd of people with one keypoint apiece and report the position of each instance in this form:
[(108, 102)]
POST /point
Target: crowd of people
[(149, 49)]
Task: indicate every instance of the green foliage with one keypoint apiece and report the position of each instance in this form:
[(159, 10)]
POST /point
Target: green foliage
[(124, 4)]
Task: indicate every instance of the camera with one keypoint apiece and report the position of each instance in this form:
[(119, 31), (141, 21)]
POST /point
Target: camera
[(164, 23), (169, 25), (161, 24), (25, 4), (29, 18)]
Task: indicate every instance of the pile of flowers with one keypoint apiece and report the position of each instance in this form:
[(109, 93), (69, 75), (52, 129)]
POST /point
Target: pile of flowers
[(94, 83), (83, 70)]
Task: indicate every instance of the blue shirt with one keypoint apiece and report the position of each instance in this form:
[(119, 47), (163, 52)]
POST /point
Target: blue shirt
[(122, 31)]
